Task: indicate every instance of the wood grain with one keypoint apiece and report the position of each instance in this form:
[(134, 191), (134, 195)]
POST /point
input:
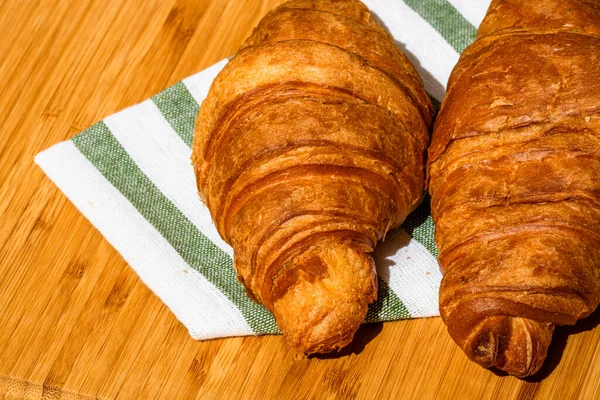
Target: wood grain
[(76, 322)]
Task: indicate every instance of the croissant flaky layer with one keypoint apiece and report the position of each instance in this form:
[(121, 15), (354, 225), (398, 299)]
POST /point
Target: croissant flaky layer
[(514, 176), (308, 148)]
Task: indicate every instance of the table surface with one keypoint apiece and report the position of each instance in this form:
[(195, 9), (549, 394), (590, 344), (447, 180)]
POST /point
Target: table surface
[(75, 320)]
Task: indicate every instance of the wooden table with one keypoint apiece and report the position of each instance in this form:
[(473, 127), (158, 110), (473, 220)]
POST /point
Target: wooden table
[(76, 322)]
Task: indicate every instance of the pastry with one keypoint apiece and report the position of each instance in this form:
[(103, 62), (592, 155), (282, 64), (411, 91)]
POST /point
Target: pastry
[(514, 177), (308, 149)]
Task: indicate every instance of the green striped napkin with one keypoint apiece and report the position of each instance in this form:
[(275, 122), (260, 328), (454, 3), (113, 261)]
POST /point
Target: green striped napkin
[(130, 175)]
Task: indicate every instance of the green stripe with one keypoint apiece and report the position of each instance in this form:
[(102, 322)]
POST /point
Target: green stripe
[(419, 225), (440, 14), (180, 109), (100, 147), (388, 306)]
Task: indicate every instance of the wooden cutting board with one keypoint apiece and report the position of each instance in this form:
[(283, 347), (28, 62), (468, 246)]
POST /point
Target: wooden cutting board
[(76, 322)]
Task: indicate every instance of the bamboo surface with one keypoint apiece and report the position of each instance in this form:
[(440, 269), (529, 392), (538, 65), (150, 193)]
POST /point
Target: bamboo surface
[(76, 322)]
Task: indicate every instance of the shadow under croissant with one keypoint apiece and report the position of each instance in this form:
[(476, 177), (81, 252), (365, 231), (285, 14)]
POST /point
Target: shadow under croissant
[(365, 334)]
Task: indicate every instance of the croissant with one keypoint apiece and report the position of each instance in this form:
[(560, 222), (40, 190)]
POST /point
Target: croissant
[(514, 177), (308, 148)]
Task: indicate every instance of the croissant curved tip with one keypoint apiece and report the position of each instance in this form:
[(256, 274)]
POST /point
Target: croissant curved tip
[(328, 324), (325, 298), (334, 332), (515, 345)]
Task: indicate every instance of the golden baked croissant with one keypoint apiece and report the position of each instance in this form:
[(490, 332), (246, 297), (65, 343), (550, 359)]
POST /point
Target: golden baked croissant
[(514, 177), (308, 149)]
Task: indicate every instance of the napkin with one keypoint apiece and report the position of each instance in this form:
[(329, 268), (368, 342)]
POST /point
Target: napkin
[(131, 176)]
